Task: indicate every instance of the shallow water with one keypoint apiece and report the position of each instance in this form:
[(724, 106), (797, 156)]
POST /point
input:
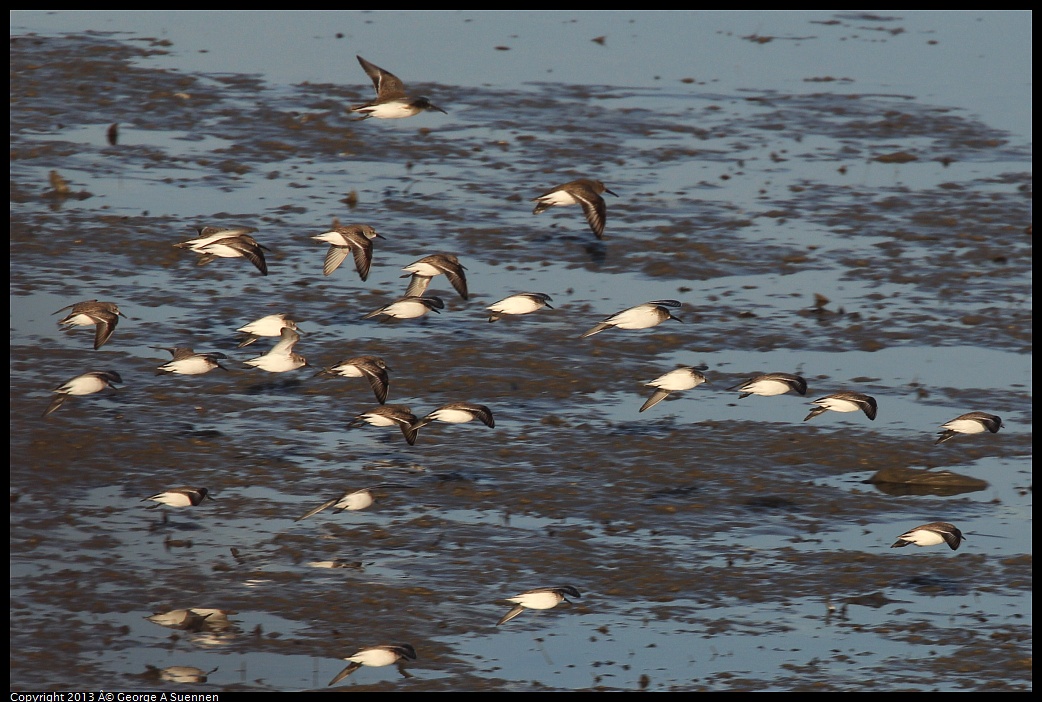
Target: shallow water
[(720, 544)]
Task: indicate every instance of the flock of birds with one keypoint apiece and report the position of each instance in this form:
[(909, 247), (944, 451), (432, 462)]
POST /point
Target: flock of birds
[(356, 241)]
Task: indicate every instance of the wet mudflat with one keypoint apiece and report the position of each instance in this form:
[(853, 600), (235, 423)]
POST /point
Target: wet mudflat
[(867, 242)]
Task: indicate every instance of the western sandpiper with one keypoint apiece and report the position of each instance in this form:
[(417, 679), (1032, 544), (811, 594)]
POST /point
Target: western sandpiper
[(970, 423), (183, 674), (420, 274), (101, 315), (391, 100), (270, 325), (584, 192), (643, 316), (185, 361), (349, 501), (234, 242), (86, 384), (521, 303), (844, 402), (930, 535), (390, 416), (539, 598), (282, 357), (372, 368), (355, 239), (408, 308), (376, 656), (180, 497), (458, 413), (770, 384), (679, 379), (193, 618)]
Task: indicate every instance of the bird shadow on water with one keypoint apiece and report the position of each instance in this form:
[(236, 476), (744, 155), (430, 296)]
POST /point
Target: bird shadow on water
[(264, 387), (932, 584)]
